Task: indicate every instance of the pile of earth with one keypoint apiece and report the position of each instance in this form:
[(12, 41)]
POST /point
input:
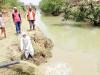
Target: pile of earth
[(42, 46)]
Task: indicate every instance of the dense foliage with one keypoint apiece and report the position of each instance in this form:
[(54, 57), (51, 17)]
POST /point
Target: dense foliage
[(7, 4), (93, 14), (83, 12), (53, 7)]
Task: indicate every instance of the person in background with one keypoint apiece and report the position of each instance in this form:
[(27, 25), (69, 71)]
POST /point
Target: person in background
[(2, 25), (26, 45), (31, 18), (17, 20)]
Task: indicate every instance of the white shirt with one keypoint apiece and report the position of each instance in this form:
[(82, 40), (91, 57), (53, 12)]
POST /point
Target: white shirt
[(26, 45), (1, 22)]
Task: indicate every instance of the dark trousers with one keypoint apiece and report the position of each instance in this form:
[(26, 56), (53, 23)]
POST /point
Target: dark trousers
[(18, 27), (32, 25)]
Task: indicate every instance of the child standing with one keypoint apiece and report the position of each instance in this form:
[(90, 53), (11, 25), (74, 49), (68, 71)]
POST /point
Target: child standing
[(2, 26)]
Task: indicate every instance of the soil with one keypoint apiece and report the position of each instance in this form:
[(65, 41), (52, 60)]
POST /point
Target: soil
[(10, 49)]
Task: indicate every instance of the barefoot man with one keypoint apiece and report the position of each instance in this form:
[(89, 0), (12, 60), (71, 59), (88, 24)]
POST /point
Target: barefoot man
[(26, 45)]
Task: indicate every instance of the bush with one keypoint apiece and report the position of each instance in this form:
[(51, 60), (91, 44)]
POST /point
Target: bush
[(9, 4), (83, 12), (67, 11), (80, 14), (93, 14), (51, 6)]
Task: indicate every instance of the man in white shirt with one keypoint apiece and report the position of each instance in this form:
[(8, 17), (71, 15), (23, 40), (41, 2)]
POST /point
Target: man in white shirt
[(2, 25), (26, 45)]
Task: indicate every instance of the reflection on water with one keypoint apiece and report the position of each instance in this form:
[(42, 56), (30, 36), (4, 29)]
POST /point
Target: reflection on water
[(58, 68), (73, 36)]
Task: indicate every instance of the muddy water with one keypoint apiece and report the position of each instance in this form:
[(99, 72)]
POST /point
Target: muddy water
[(40, 24), (76, 44)]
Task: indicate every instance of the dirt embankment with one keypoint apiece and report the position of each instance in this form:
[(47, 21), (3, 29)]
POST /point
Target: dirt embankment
[(42, 46)]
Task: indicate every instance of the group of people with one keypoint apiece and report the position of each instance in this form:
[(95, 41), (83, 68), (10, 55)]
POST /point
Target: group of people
[(25, 42), (17, 20)]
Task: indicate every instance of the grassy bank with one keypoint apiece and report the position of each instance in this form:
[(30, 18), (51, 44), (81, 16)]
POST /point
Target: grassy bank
[(10, 48)]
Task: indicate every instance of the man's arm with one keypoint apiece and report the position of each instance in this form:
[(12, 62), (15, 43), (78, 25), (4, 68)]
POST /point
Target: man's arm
[(19, 16)]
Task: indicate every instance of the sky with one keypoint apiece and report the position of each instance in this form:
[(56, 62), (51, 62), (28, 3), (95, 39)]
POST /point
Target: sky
[(35, 2)]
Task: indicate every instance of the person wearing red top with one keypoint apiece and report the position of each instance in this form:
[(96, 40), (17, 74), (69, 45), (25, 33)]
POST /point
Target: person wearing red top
[(31, 18), (17, 20)]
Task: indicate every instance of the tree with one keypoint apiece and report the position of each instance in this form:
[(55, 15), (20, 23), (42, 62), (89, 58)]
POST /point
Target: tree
[(53, 7), (93, 14), (89, 11), (9, 4)]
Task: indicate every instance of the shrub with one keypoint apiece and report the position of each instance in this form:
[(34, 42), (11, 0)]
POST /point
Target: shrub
[(51, 6), (80, 14), (83, 12), (8, 4), (67, 11), (93, 14)]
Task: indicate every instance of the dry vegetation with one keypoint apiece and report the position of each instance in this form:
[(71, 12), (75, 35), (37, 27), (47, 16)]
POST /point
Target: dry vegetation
[(42, 46)]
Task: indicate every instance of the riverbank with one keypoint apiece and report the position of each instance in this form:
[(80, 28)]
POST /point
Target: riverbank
[(76, 46), (10, 50)]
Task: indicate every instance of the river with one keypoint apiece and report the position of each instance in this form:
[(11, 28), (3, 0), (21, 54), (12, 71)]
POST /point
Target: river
[(76, 49)]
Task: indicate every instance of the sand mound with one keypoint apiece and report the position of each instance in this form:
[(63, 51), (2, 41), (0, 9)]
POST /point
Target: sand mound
[(42, 46)]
